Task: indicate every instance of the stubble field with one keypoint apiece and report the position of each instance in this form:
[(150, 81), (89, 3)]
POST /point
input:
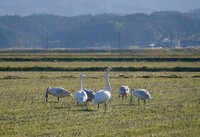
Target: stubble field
[(173, 111)]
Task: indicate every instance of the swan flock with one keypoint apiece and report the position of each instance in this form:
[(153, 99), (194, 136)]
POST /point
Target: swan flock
[(82, 96)]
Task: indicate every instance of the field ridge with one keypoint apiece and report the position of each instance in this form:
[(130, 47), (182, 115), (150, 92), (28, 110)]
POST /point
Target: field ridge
[(127, 59), (38, 68)]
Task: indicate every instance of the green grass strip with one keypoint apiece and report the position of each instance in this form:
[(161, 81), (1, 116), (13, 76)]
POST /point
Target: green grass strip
[(104, 59), (37, 68)]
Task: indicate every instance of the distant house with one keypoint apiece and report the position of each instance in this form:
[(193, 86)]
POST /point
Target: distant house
[(166, 42)]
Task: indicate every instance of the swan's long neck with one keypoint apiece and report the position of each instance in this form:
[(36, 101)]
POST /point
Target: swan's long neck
[(131, 98), (81, 85), (108, 87), (46, 96)]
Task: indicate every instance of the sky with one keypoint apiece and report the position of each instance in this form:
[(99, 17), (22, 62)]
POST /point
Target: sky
[(80, 7)]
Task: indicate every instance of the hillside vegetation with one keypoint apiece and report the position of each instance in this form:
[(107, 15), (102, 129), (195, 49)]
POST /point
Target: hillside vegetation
[(99, 31)]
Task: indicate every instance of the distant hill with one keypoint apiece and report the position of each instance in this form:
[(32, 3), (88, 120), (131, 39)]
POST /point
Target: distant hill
[(100, 31), (79, 7)]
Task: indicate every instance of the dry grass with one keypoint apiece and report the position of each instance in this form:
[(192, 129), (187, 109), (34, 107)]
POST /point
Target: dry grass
[(173, 111), (100, 64)]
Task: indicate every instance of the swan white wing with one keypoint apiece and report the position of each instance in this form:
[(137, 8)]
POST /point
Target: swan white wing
[(127, 89), (90, 93), (81, 96), (142, 94), (124, 90), (102, 96), (59, 92), (121, 90)]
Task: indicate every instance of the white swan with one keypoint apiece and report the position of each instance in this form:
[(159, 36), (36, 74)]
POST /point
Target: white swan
[(123, 91), (141, 94), (103, 96), (81, 96), (90, 93), (57, 92)]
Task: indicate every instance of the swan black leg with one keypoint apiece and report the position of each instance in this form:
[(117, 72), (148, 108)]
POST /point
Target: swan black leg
[(46, 99), (139, 107), (105, 106), (58, 98), (87, 106), (131, 100), (144, 105)]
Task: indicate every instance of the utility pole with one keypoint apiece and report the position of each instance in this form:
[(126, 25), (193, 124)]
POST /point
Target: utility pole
[(119, 39), (171, 38), (47, 42), (119, 27)]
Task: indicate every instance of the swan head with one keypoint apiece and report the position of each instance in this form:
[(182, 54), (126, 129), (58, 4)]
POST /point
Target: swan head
[(70, 94), (48, 88), (46, 96), (149, 98), (108, 68), (82, 75)]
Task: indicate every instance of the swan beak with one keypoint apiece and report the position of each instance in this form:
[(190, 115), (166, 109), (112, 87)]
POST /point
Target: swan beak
[(148, 100), (108, 68)]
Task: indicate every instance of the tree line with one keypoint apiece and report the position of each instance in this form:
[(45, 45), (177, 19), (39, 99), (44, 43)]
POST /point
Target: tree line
[(98, 31)]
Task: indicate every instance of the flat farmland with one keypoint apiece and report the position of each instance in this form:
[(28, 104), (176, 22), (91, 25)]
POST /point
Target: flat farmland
[(83, 64), (173, 111)]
